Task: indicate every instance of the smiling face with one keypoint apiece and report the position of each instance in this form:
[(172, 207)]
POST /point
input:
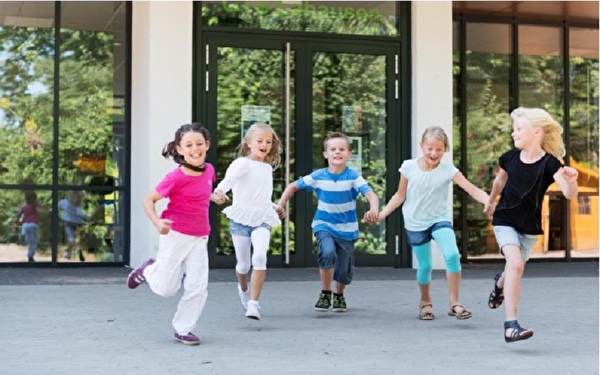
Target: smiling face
[(337, 152), (260, 145), (433, 150), (193, 148), (523, 134)]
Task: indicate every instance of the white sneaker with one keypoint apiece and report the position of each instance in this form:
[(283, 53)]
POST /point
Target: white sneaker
[(252, 311), (244, 296)]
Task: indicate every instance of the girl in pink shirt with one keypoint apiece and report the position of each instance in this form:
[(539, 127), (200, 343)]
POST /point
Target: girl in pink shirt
[(184, 228), (29, 213)]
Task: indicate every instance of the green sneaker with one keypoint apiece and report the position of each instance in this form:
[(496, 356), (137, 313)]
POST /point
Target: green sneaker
[(339, 303), (324, 302)]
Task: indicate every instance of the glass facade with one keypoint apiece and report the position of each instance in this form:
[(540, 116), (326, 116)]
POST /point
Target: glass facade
[(499, 66), (338, 17), (63, 130)]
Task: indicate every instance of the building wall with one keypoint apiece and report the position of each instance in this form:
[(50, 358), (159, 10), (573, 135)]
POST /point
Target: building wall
[(161, 101), (431, 79)]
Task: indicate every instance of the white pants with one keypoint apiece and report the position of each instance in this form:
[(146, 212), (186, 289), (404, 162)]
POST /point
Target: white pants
[(179, 255)]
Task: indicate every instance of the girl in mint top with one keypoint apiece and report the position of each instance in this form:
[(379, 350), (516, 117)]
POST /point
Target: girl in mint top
[(424, 189)]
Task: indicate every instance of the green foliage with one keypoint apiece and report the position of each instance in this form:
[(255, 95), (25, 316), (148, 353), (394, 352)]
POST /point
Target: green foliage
[(85, 123)]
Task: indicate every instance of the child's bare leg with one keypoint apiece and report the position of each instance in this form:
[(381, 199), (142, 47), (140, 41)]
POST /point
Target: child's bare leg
[(511, 280), (453, 280), (257, 282), (326, 277), (339, 288), (242, 280)]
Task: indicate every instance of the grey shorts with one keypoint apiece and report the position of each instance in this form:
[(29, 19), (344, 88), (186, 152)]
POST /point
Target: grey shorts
[(509, 236)]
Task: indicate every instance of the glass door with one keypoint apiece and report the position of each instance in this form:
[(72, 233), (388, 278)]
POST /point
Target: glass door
[(304, 90)]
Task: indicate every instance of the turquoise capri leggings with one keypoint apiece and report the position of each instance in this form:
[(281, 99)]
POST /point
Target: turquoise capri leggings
[(444, 236)]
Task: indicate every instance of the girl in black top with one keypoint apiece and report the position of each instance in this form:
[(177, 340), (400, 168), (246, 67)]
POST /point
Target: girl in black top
[(522, 180)]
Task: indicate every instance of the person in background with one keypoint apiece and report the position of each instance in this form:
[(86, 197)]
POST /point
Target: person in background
[(29, 218), (73, 218)]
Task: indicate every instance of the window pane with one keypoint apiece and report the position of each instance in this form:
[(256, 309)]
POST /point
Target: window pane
[(583, 121), (25, 224), (336, 17), (541, 69), (92, 71), (90, 226), (26, 92), (488, 49)]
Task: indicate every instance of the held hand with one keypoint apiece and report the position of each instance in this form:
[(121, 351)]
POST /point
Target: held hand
[(488, 209), (371, 217), (570, 174), (163, 226), (281, 212), (218, 199)]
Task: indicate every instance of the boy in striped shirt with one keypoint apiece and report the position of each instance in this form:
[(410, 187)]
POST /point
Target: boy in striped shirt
[(335, 224)]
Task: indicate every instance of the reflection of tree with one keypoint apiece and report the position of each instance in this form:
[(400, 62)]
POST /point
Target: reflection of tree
[(488, 129), (488, 125), (27, 105)]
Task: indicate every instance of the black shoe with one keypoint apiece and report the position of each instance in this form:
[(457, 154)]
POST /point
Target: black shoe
[(518, 333), (324, 302), (497, 295), (30, 259), (339, 303), (81, 257)]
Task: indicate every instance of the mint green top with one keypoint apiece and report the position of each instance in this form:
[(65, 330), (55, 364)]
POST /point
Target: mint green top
[(427, 192)]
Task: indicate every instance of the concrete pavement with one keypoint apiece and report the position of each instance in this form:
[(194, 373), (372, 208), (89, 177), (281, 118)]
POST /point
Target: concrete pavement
[(86, 321)]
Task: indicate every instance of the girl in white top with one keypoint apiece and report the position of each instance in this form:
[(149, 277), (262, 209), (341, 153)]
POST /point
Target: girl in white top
[(252, 213)]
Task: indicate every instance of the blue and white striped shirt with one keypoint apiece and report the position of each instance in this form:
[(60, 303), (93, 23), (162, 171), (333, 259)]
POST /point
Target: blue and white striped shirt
[(337, 194)]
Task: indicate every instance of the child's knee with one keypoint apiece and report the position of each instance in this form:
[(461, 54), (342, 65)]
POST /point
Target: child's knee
[(259, 261), (453, 262), (326, 258), (242, 268), (164, 290)]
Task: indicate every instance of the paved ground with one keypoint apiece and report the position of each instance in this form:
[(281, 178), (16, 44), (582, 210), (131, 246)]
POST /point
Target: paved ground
[(86, 321)]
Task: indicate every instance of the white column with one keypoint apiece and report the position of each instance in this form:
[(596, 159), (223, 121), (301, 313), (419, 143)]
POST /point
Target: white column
[(161, 102), (431, 79)]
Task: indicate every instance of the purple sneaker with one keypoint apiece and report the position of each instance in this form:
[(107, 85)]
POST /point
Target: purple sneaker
[(136, 277), (189, 339)]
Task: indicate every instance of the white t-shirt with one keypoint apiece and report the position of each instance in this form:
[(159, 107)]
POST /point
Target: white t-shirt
[(251, 183), (427, 192)]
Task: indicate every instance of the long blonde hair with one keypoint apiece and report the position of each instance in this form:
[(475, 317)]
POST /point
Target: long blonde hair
[(274, 155), (552, 141)]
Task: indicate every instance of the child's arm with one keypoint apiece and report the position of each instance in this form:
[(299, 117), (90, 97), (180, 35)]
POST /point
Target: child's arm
[(396, 200), (566, 178), (162, 225), (497, 186), (285, 197), (373, 213), (475, 192)]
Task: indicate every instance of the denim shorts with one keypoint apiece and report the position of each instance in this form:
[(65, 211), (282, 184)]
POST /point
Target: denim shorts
[(416, 238), (238, 229), (337, 253), (509, 236)]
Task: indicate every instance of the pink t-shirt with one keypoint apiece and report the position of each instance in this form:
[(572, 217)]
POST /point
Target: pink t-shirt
[(189, 200), (30, 213)]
